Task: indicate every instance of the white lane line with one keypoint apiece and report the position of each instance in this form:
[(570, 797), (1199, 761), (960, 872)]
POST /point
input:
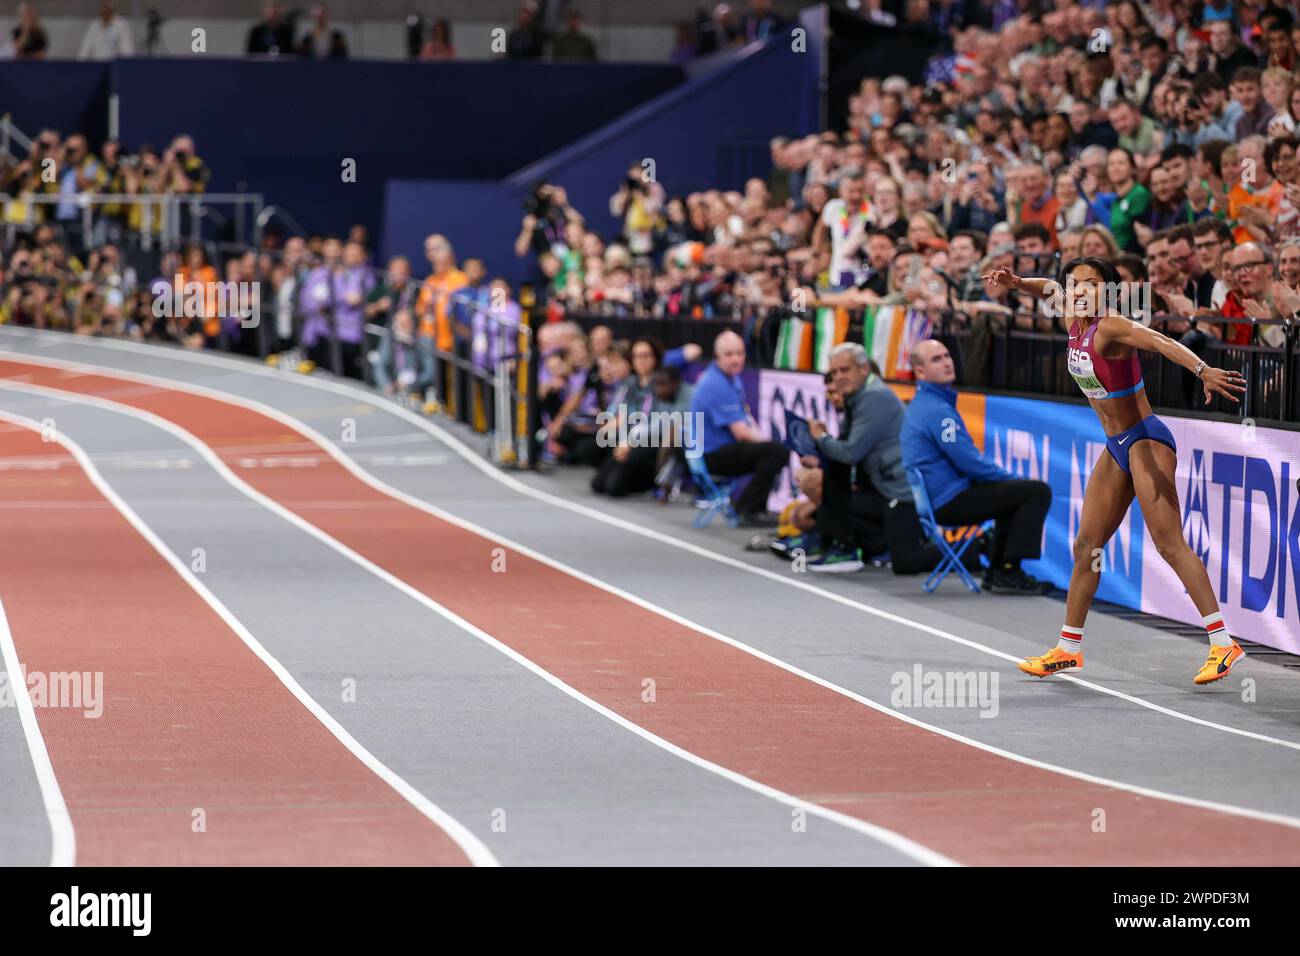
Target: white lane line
[(63, 841), (896, 841), (380, 486), (477, 461), (472, 847)]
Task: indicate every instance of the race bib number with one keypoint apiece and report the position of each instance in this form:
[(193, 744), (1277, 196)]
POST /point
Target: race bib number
[(1084, 375)]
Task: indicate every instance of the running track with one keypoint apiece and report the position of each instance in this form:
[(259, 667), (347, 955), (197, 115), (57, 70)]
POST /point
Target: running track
[(326, 629)]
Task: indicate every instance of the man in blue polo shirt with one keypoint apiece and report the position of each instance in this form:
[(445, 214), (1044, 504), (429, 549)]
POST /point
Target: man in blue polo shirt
[(963, 486), (733, 444)]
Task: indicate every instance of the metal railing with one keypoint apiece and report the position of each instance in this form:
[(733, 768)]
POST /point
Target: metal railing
[(1034, 361), (993, 353), (167, 220)]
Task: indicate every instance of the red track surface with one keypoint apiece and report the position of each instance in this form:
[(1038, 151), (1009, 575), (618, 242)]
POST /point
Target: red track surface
[(191, 719), (717, 701)]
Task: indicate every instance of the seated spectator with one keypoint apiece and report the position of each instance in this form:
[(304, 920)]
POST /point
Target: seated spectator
[(866, 507), (733, 445), (673, 399), (573, 427), (798, 523), (631, 466), (963, 486), (402, 367)]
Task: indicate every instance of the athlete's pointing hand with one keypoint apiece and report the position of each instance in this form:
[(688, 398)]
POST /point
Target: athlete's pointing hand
[(1223, 382)]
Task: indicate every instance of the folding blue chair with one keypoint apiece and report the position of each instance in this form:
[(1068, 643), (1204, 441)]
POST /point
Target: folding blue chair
[(716, 494), (952, 556)]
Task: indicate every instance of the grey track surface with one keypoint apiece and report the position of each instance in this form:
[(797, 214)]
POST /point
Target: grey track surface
[(1058, 722), (469, 728)]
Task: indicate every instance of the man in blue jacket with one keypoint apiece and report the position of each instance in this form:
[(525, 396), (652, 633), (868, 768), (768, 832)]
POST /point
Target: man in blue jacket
[(964, 487), (732, 443), (866, 503)]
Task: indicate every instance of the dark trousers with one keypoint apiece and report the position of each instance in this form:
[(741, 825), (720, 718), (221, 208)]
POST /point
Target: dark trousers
[(349, 356), (1019, 508), (581, 447), (619, 478), (763, 460), (864, 518)]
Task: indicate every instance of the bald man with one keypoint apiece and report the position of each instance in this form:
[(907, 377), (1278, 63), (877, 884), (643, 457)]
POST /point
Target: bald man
[(963, 486), (733, 445)]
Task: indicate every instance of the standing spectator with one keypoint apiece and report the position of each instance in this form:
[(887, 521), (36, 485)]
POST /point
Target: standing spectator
[(107, 37), (1137, 133), (438, 45), (527, 41), (1130, 200), (1254, 196), (572, 43), (760, 23), (30, 41), (396, 290), (842, 227), (1228, 54), (182, 169), (434, 304), (1256, 114), (732, 443), (963, 486), (320, 42), (1034, 203), (78, 173), (274, 35), (638, 203)]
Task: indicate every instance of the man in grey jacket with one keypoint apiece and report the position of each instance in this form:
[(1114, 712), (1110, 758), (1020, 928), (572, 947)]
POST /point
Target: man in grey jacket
[(866, 502)]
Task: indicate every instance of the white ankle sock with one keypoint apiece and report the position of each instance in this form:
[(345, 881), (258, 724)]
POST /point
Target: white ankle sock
[(1071, 639), (1216, 629)]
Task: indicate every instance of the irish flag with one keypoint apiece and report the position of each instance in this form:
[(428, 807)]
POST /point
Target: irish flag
[(889, 333)]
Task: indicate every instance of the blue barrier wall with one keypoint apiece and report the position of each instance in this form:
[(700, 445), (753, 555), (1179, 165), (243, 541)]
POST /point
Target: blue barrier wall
[(480, 219), (63, 95), (283, 128), (711, 132)]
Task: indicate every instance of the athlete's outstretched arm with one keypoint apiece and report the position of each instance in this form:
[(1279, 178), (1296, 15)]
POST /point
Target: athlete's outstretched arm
[(1038, 288), (1115, 328)]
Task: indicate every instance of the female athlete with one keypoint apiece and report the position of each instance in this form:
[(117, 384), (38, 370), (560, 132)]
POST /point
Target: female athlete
[(1103, 360)]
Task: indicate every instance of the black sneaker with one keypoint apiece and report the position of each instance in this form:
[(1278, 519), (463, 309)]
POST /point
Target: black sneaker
[(1015, 581)]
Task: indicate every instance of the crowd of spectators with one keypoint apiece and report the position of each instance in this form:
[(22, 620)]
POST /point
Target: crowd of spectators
[(1161, 137), (552, 31), (1158, 136)]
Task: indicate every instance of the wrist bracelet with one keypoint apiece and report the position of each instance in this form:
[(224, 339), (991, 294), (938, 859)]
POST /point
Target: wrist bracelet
[(1199, 369)]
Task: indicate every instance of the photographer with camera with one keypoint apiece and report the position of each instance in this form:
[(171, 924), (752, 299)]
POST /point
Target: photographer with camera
[(638, 203), (183, 171), (546, 213)]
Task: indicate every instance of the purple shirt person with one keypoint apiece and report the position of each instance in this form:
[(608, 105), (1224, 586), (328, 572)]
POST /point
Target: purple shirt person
[(334, 295)]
